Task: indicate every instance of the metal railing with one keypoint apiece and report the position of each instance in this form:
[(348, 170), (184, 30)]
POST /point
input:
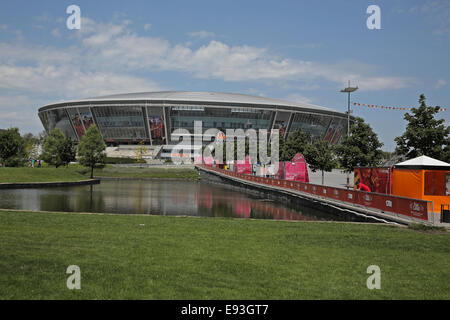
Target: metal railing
[(409, 208)]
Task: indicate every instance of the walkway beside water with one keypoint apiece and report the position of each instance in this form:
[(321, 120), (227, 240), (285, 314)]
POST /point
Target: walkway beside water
[(356, 206), (336, 178)]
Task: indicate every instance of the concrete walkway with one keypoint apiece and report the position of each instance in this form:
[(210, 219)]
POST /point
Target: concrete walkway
[(336, 178)]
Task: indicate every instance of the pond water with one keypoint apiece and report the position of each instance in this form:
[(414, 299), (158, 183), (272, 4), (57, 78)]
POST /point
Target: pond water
[(158, 197)]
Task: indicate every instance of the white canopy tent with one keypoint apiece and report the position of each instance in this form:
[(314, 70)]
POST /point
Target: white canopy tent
[(423, 162)]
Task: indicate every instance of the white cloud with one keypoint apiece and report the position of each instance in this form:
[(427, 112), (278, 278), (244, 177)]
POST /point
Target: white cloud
[(56, 33), (440, 83), (113, 48), (436, 13), (69, 82), (20, 111), (19, 35), (147, 26), (45, 17), (201, 34), (107, 45), (106, 58), (295, 97), (255, 92), (103, 34)]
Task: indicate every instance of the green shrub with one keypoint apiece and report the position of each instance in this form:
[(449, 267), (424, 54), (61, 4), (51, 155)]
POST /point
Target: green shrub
[(423, 227), (116, 160)]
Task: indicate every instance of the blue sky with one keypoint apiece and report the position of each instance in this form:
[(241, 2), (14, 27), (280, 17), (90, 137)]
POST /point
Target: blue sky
[(294, 50)]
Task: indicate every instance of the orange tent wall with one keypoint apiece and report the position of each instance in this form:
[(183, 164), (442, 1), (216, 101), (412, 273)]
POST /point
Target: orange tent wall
[(439, 186), (411, 183), (408, 183)]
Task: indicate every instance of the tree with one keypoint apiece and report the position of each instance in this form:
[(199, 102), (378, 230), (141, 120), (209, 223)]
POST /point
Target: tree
[(424, 134), (295, 143), (57, 149), (320, 156), (361, 148), (91, 150), (12, 148), (32, 145), (68, 151)]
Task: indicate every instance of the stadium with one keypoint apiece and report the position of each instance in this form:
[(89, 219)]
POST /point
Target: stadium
[(152, 117)]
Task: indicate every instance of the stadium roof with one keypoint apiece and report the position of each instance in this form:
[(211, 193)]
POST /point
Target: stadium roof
[(189, 97)]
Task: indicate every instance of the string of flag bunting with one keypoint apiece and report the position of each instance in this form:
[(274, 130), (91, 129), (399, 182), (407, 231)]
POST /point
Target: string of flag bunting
[(387, 108)]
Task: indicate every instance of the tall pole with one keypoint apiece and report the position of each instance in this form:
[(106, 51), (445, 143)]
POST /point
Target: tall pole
[(348, 129), (348, 112), (348, 90)]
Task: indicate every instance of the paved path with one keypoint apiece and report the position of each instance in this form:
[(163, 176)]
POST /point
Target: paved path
[(336, 178)]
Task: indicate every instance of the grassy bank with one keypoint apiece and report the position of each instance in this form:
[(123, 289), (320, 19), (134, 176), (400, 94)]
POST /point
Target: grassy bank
[(47, 174), (77, 172), (158, 257)]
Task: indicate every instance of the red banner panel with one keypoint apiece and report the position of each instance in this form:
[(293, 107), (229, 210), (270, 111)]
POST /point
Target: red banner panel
[(335, 193), (413, 208), (379, 180), (409, 207)]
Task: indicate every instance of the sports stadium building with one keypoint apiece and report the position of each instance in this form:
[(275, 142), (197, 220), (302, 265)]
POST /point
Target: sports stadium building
[(153, 116)]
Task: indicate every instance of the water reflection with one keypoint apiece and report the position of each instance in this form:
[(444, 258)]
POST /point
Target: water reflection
[(161, 197)]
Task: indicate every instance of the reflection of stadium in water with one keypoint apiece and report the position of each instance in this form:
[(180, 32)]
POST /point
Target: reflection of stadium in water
[(230, 203), (158, 197), (152, 117)]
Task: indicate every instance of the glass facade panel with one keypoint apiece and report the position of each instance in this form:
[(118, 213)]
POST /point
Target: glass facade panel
[(126, 122), (57, 118), (44, 119), (281, 122), (156, 124), (76, 121), (129, 123), (340, 131), (314, 125), (86, 118), (220, 118), (329, 135)]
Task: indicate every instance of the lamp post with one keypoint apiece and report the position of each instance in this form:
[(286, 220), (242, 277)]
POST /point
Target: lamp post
[(348, 90)]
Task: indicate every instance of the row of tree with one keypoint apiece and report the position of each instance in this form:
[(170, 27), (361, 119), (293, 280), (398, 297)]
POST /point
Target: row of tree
[(360, 148), (57, 149)]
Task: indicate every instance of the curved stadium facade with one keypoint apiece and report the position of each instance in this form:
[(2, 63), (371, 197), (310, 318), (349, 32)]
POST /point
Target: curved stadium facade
[(153, 116)]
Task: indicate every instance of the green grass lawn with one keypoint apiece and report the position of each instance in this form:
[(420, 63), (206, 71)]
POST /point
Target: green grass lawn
[(45, 174), (158, 257), (77, 172)]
